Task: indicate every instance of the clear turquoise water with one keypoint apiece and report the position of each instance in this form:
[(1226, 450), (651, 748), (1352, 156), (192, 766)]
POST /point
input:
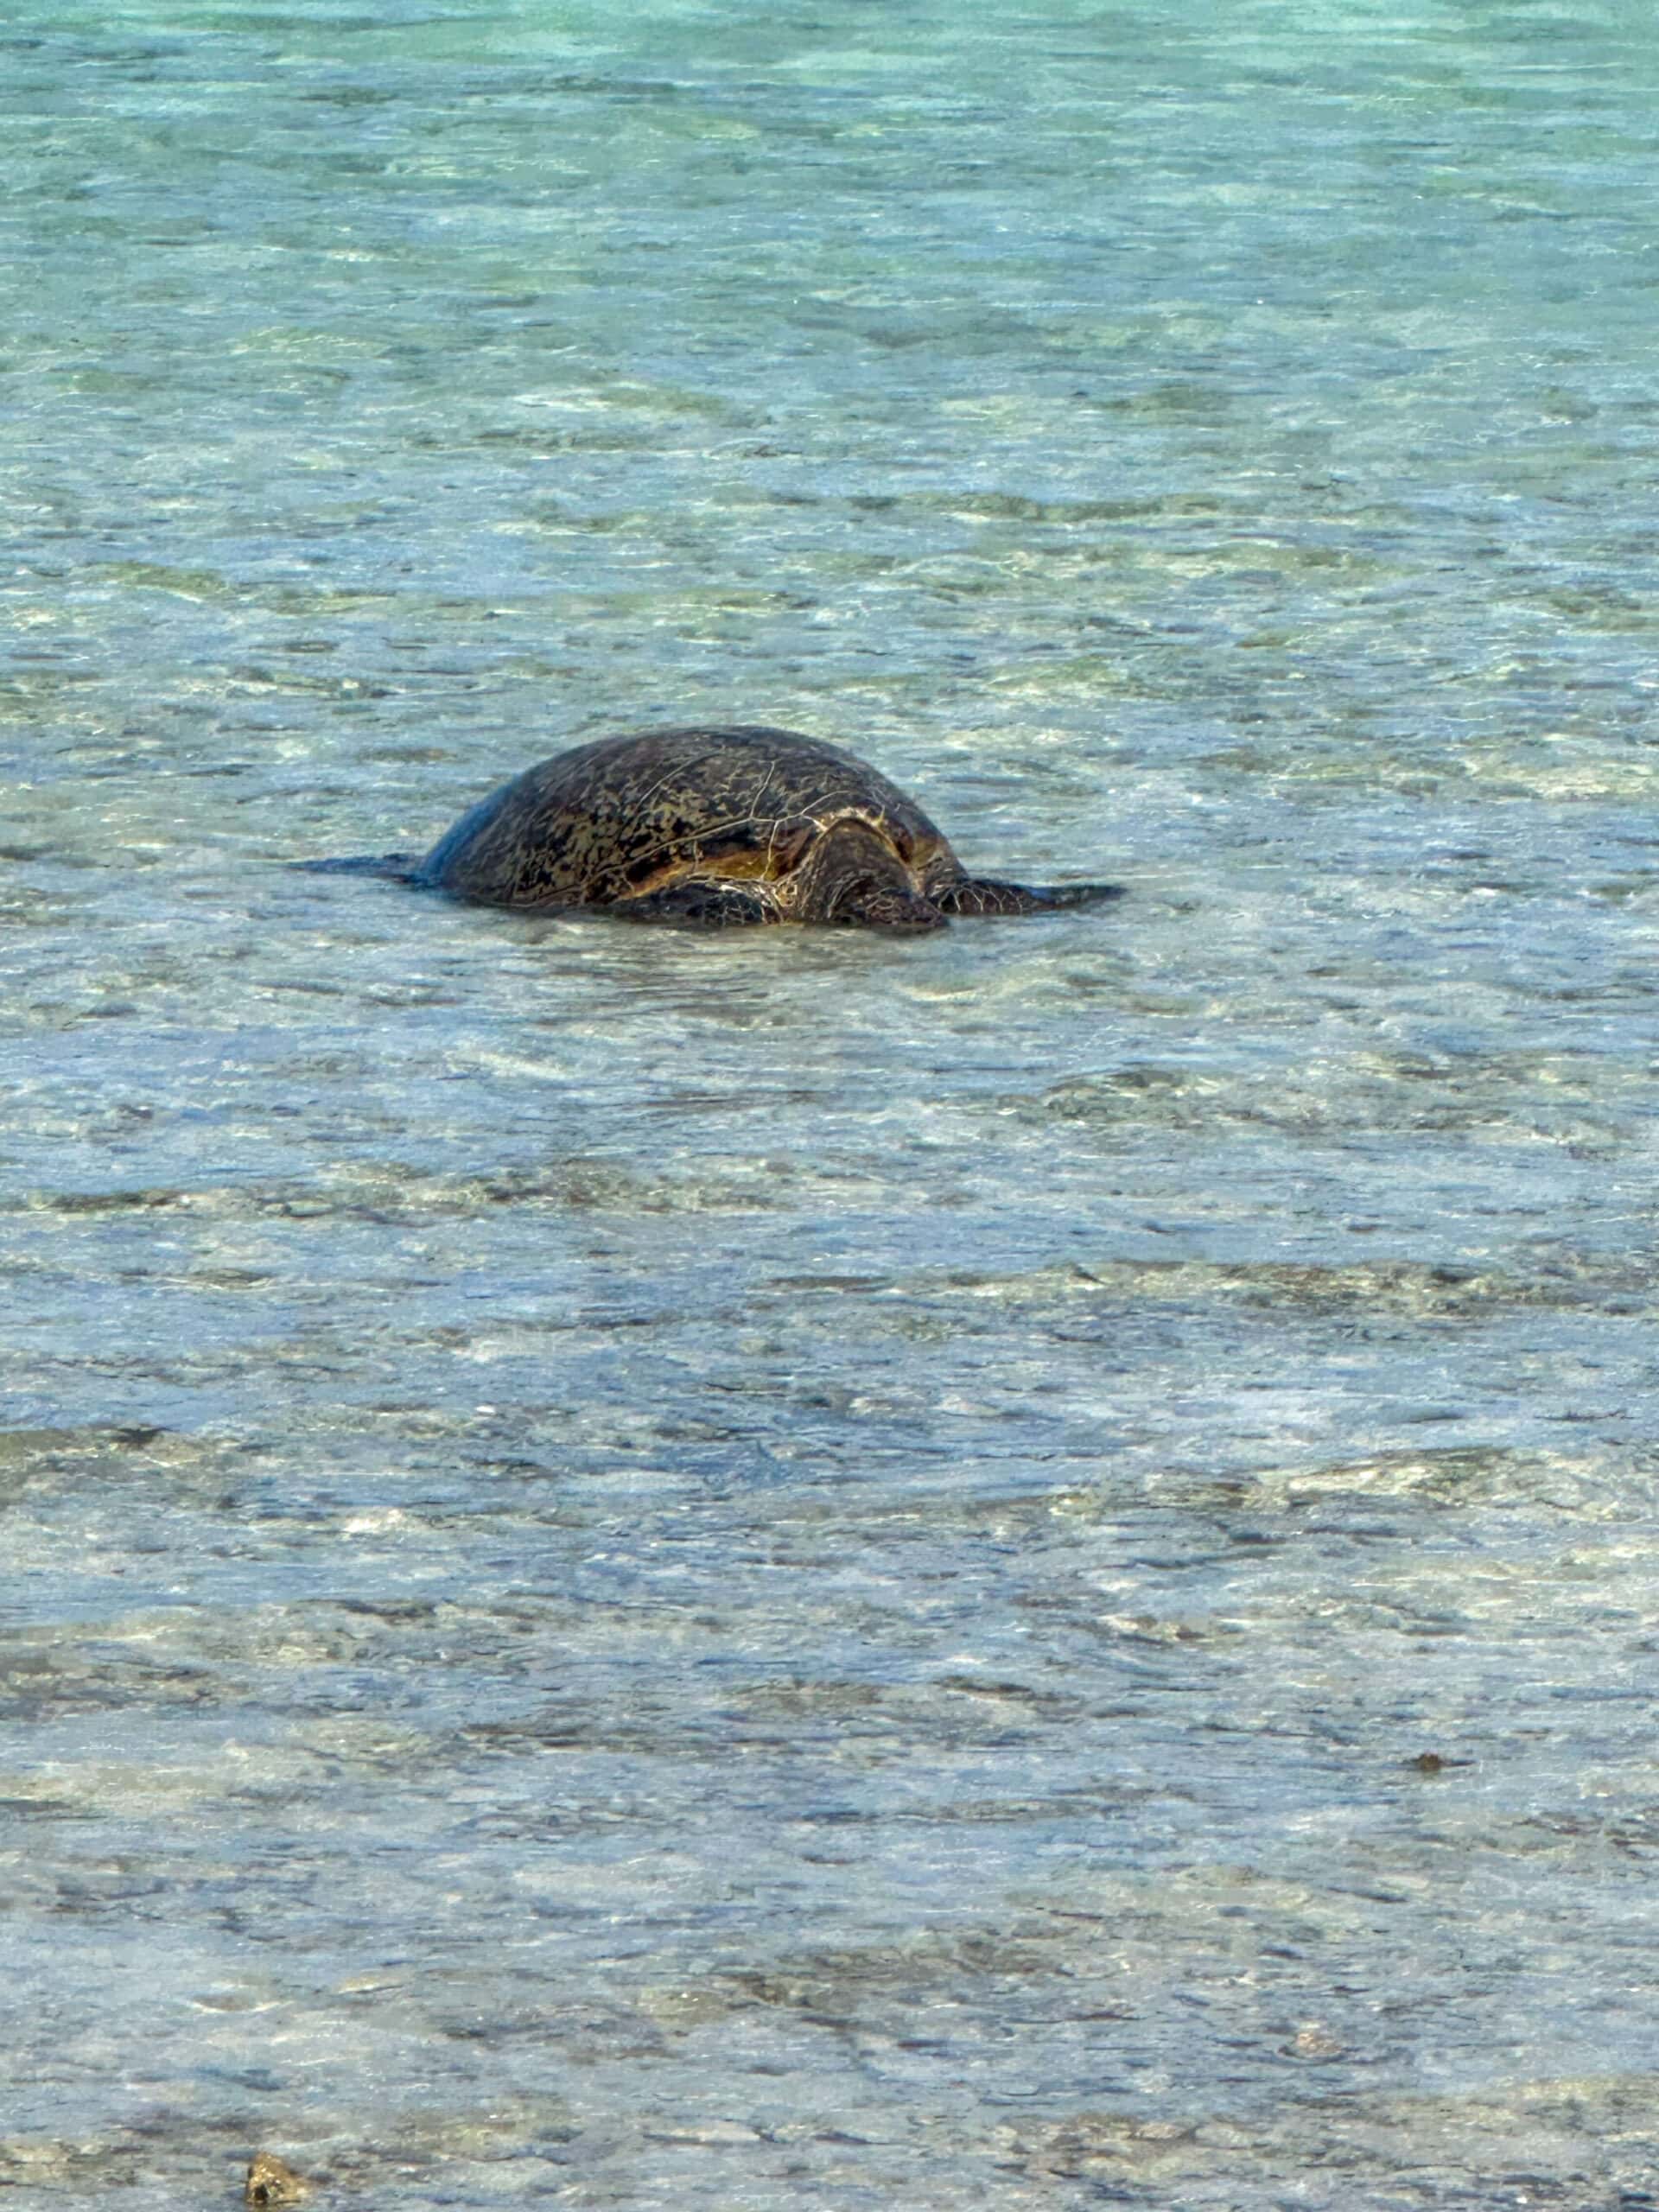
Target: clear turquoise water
[(797, 1571)]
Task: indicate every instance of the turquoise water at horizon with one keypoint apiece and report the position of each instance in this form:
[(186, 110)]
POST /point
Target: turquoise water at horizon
[(781, 1570)]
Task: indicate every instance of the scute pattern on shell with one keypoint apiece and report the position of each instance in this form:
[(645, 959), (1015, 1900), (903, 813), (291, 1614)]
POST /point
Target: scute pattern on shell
[(606, 821)]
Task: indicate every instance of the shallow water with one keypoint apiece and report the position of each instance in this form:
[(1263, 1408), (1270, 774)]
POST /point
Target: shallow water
[(790, 1570)]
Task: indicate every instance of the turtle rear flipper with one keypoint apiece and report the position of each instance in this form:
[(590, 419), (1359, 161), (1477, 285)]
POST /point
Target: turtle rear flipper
[(984, 894)]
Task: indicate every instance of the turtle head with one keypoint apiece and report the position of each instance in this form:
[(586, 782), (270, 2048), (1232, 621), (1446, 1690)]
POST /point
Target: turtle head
[(853, 875)]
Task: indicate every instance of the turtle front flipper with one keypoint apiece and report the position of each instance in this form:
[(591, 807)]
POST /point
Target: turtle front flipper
[(694, 904), (984, 894), (402, 868)]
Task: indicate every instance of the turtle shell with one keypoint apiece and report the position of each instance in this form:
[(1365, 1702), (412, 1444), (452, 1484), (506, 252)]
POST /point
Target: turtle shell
[(630, 816)]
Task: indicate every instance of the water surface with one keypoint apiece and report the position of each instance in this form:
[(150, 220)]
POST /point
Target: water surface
[(784, 1570)]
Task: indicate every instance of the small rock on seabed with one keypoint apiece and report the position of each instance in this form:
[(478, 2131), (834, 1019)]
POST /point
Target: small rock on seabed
[(272, 2180)]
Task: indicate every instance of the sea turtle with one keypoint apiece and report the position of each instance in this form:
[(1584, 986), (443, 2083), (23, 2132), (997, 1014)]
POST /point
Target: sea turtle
[(716, 826)]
